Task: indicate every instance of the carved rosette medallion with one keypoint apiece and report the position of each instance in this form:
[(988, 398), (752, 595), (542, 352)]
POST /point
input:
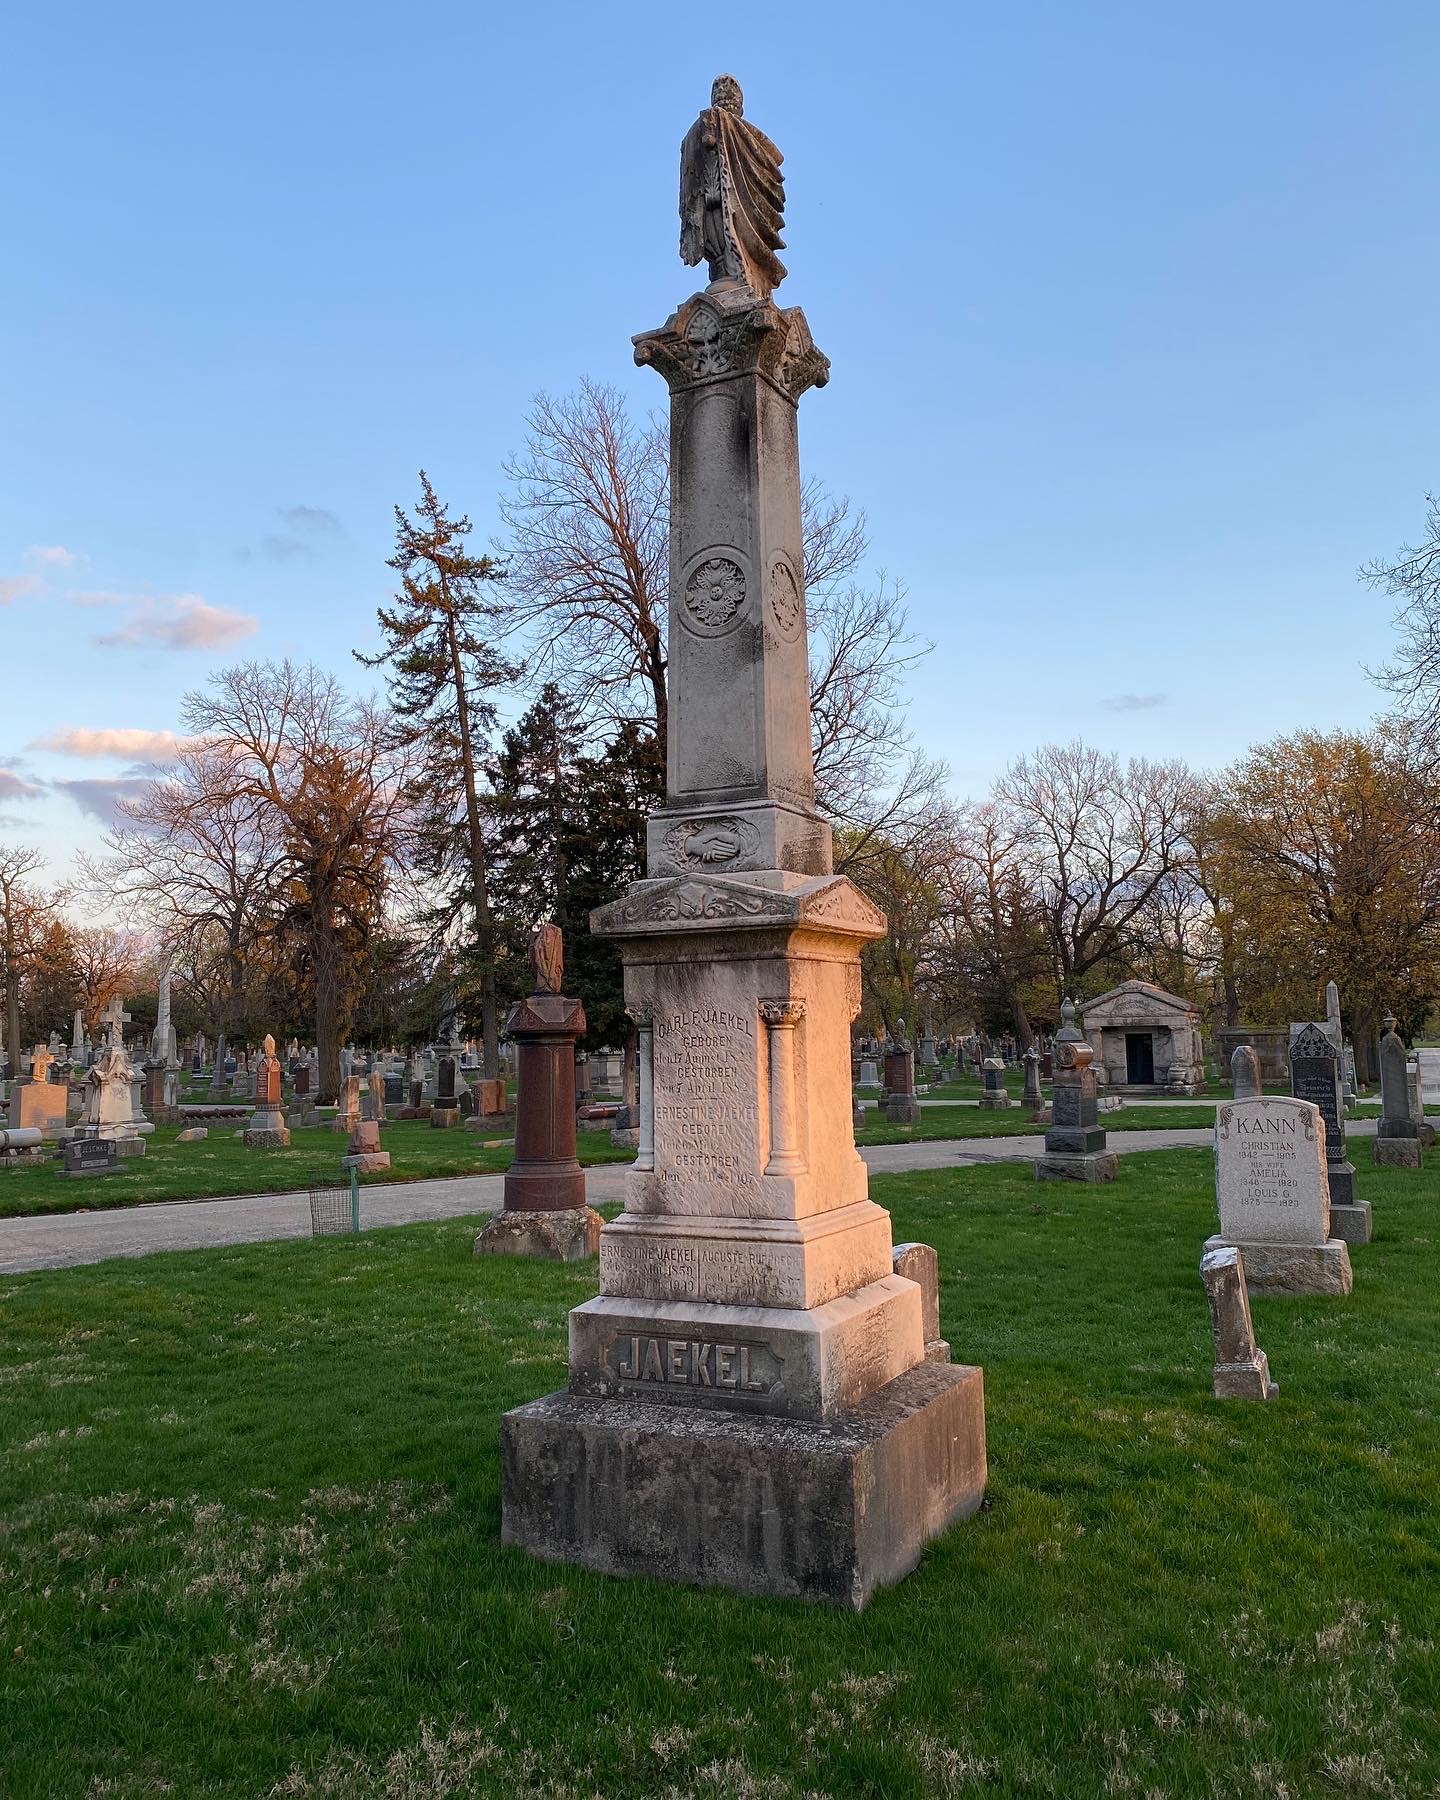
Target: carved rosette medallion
[(714, 595), (783, 593), (713, 843)]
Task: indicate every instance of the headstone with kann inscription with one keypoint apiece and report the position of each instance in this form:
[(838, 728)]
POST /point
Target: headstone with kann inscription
[(1274, 1196), (750, 1404)]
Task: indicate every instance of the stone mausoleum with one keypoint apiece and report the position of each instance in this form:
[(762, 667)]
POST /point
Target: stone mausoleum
[(1145, 1041)]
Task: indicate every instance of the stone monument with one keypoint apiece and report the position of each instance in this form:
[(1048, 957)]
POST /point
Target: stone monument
[(544, 1212), (1074, 1140), (1397, 1137), (39, 1103), (265, 1129), (749, 1402), (993, 1092), (1274, 1196), (1245, 1078), (1315, 1076), (1242, 1370), (1033, 1099), (901, 1106)]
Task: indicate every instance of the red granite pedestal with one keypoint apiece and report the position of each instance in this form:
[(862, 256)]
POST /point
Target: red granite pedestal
[(544, 1213)]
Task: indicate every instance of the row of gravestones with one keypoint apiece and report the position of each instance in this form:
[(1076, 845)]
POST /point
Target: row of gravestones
[(1285, 1189)]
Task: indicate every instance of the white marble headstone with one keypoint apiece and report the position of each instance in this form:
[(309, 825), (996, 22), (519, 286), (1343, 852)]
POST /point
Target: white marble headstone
[(1270, 1175)]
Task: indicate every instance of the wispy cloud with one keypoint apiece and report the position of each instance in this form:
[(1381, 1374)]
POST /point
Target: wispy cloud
[(130, 741), (1133, 702), (172, 622), (16, 787), (101, 798), (285, 549), (52, 556), (15, 587), (316, 519)]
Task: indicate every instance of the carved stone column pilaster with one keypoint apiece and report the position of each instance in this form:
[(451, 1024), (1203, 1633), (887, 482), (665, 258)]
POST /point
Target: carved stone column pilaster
[(643, 1016), (786, 1152)]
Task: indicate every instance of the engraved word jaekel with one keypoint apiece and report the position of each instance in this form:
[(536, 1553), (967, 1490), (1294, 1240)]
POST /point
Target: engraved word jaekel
[(693, 1363)]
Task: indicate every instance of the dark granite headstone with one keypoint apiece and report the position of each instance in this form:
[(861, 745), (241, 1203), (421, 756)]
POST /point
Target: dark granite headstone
[(1315, 1076), (445, 1083), (90, 1156)]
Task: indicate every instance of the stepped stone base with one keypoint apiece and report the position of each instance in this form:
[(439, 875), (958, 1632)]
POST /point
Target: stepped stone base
[(902, 1109), (1399, 1153), (1282, 1270), (1351, 1224), (1246, 1380), (1102, 1165), (569, 1234), (758, 1504)]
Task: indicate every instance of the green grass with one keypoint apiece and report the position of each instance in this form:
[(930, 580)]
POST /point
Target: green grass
[(223, 1165), (972, 1121), (249, 1535)]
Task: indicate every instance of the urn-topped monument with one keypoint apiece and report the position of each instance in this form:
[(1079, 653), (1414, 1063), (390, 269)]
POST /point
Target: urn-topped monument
[(749, 1403)]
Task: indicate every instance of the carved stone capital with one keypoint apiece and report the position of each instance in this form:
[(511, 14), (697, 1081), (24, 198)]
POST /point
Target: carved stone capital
[(782, 1015), (641, 1014), (725, 333)]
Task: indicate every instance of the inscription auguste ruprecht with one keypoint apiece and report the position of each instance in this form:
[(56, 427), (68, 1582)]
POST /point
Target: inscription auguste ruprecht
[(706, 1098), (693, 1363)]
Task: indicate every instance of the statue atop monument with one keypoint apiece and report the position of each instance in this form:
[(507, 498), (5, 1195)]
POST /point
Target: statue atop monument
[(547, 959), (732, 195)]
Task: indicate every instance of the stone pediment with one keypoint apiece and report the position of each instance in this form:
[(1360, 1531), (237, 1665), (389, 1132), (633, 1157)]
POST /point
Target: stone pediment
[(826, 903), (1137, 1003)]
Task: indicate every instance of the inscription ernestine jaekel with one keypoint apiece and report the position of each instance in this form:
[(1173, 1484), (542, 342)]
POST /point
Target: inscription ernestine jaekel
[(690, 1362)]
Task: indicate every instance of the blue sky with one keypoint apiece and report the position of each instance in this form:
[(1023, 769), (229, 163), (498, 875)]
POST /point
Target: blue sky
[(1130, 310)]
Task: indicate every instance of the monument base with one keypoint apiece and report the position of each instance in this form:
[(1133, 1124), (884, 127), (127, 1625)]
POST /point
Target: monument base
[(902, 1109), (563, 1234), (753, 1503), (365, 1162), (1063, 1165), (1398, 1153), (1245, 1380), (1283, 1270), (445, 1118), (129, 1146), (995, 1102), (1351, 1224), (266, 1130)]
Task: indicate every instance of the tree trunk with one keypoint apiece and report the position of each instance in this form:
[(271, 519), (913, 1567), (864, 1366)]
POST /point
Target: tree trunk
[(1365, 1025), (484, 922), (12, 1020), (1024, 1035), (327, 1014)]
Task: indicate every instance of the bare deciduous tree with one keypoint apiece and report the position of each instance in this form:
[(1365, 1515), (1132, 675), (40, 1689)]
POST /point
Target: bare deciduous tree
[(24, 914), (1413, 576)]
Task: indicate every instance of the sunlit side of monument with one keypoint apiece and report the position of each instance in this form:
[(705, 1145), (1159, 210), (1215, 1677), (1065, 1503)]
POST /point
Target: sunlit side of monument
[(749, 1403)]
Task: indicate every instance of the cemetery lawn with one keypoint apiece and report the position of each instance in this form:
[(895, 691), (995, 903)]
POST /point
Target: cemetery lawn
[(980, 1122), (250, 1509), (223, 1165)]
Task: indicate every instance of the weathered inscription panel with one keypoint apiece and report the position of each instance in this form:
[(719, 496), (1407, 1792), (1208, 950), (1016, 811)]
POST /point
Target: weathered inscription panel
[(707, 1111), (759, 1273), (1270, 1173)]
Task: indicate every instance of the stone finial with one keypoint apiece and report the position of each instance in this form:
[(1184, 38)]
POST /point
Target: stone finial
[(269, 1046), (1389, 1022)]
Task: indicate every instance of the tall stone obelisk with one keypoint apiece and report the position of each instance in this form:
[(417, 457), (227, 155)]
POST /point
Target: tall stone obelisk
[(749, 1403)]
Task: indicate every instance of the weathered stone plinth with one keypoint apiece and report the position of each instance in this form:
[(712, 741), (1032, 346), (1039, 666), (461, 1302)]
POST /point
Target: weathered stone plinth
[(751, 1502), (901, 1109), (559, 1234), (1398, 1153), (266, 1130), (445, 1118), (1352, 1224), (1057, 1165), (1287, 1270)]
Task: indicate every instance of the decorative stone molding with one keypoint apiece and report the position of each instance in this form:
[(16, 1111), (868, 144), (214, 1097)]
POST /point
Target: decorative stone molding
[(786, 1154), (710, 842), (725, 333)]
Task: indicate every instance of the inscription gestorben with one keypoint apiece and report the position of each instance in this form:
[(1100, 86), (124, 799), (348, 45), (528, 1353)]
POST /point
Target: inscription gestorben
[(706, 1098)]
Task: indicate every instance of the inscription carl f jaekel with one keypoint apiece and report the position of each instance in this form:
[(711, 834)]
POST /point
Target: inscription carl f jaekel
[(706, 1097)]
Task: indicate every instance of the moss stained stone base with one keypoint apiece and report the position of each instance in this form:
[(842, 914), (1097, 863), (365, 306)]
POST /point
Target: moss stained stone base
[(758, 1504)]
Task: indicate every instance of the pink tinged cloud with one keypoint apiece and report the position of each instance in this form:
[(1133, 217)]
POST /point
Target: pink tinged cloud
[(129, 741), (15, 787), (174, 622), (15, 587), (54, 556)]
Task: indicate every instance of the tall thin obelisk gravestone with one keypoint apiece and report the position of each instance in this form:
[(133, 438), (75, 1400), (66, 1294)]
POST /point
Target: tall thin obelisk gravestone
[(749, 1403)]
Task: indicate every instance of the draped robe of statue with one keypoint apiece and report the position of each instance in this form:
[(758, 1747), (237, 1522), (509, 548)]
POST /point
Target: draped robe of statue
[(732, 196)]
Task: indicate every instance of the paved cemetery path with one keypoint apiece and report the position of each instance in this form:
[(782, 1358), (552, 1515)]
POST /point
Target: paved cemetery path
[(62, 1240)]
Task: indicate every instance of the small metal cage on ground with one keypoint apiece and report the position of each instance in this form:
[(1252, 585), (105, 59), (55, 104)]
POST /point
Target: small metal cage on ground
[(335, 1211)]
